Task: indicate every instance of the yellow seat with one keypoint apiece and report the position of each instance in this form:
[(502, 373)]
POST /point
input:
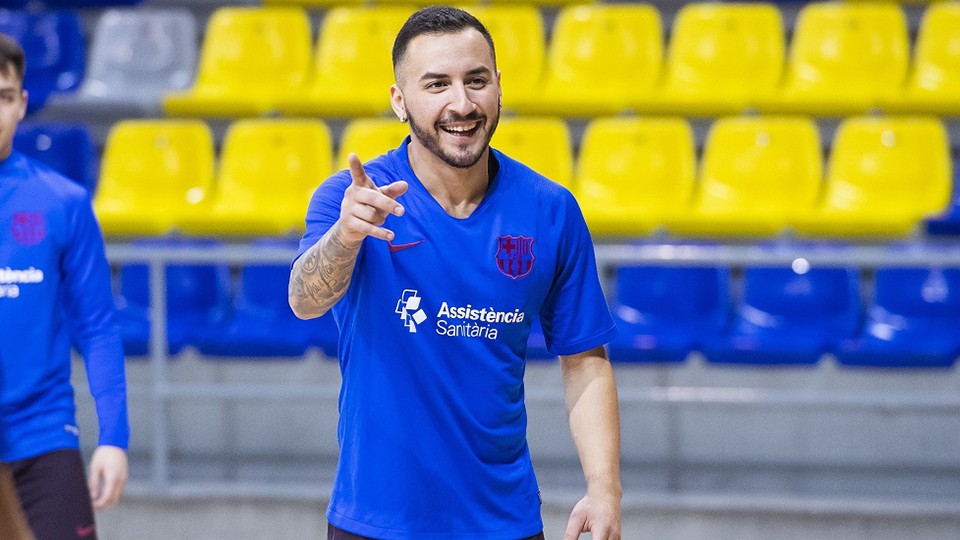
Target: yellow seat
[(756, 174), (369, 138), (314, 3), (602, 59), (352, 71), (933, 85), (543, 144), (633, 174), (154, 173), (721, 58), (268, 170), (250, 57), (884, 176), (519, 37), (845, 58)]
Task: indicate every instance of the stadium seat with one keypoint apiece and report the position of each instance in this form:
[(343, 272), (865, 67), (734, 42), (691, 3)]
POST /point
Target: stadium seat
[(756, 174), (602, 59), (54, 44), (268, 170), (314, 4), (633, 174), (721, 58), (250, 58), (914, 321), (786, 317), (153, 174), (520, 39), (352, 70), (139, 55), (195, 294), (845, 58), (71, 4), (543, 144), (933, 85), (948, 222), (884, 176), (370, 137), (66, 148), (665, 313), (261, 323)]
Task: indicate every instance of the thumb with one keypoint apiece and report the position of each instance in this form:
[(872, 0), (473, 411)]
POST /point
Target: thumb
[(394, 189)]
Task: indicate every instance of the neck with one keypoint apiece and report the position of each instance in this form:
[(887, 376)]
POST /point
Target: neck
[(458, 191)]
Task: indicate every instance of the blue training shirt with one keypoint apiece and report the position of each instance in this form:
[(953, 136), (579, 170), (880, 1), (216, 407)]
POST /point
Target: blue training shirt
[(54, 285), (433, 337)]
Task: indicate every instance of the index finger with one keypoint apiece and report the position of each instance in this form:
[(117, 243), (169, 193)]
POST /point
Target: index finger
[(359, 175)]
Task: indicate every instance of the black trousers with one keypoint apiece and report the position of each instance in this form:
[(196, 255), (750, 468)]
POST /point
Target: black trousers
[(53, 492), (333, 533)]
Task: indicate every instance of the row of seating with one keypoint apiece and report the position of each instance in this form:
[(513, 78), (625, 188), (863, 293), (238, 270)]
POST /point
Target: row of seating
[(663, 314), (788, 317), (758, 177), (207, 311), (844, 58)]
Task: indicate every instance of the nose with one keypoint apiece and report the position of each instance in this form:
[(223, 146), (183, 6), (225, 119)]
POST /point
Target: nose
[(461, 102)]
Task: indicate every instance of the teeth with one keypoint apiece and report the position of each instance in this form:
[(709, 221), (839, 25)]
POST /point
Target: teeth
[(460, 129)]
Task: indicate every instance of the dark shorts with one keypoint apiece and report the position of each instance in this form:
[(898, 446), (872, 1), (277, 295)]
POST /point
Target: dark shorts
[(333, 533), (53, 492)]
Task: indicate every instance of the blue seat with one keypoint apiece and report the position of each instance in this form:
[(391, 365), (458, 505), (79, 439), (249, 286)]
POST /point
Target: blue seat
[(664, 313), (787, 317), (66, 148), (261, 323), (54, 4), (197, 295), (55, 48), (913, 321)]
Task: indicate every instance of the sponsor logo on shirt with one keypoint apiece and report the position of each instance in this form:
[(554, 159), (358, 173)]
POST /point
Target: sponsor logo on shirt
[(28, 228), (409, 309), (11, 279), (456, 321)]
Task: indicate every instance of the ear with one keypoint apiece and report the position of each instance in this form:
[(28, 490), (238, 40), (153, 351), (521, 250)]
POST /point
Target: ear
[(23, 104), (396, 102)]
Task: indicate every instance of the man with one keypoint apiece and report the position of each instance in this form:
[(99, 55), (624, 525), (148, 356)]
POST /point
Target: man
[(435, 258), (54, 290)]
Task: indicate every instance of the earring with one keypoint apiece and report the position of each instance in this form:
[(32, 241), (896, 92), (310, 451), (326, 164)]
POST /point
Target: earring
[(403, 120)]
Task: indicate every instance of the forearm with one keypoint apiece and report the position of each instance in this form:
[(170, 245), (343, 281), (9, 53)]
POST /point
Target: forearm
[(320, 277), (591, 399)]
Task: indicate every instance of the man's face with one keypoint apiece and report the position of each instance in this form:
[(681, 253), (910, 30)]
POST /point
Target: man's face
[(13, 105), (449, 90)]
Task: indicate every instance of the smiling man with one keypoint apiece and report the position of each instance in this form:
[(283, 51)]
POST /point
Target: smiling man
[(435, 259)]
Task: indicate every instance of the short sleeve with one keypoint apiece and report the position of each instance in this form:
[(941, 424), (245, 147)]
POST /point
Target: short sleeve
[(575, 315)]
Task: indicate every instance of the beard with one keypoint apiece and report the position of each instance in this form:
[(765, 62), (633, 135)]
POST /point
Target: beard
[(463, 158)]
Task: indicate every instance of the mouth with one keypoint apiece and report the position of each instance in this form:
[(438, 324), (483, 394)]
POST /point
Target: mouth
[(461, 129)]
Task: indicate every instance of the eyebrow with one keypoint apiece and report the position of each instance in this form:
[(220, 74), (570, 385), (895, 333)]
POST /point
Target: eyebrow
[(475, 71)]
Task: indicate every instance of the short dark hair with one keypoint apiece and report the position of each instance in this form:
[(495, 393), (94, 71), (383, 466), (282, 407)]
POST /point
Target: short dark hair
[(437, 20), (11, 57)]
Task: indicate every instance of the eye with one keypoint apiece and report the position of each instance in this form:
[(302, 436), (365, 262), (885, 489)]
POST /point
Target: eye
[(437, 85), (477, 83)]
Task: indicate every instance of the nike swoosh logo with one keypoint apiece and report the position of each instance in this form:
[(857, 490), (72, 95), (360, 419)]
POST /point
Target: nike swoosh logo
[(401, 247), (86, 531)]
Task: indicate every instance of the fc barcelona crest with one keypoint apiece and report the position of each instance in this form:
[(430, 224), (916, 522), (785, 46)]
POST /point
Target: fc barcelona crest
[(28, 228), (515, 255)]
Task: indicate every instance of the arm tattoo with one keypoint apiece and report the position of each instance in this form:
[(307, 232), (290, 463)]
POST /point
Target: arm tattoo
[(320, 277)]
